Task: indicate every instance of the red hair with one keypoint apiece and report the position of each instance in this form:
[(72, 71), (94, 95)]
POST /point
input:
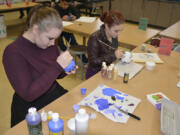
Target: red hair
[(112, 18)]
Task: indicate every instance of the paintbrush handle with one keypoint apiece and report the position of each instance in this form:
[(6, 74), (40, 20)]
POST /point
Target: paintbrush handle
[(134, 116)]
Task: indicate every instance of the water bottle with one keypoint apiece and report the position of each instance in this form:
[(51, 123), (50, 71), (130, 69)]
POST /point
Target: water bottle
[(81, 122), (33, 119), (56, 125)]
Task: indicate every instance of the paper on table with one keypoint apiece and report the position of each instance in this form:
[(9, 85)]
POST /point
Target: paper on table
[(100, 100), (65, 23), (86, 19), (131, 68), (143, 57)]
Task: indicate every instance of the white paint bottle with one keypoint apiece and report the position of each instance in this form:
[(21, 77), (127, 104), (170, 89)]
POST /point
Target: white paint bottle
[(81, 122)]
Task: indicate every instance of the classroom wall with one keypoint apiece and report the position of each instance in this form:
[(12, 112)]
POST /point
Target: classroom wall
[(158, 13)]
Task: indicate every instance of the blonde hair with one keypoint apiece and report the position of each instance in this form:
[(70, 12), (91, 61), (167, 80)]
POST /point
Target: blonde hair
[(44, 17)]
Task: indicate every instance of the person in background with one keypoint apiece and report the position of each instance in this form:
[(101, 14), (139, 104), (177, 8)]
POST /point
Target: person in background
[(68, 13), (33, 63), (103, 44)]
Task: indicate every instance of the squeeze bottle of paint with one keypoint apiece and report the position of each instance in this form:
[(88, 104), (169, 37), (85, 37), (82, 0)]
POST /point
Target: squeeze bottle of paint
[(110, 71), (81, 122), (104, 70), (33, 119), (115, 73), (56, 125)]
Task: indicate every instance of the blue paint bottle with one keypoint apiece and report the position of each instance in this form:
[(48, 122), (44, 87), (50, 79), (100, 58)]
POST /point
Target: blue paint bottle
[(33, 119), (56, 125)]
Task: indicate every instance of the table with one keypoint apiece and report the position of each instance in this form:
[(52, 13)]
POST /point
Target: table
[(172, 32), (163, 78), (131, 36), (16, 7)]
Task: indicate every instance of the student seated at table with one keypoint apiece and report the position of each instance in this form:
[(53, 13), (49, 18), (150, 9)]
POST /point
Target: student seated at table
[(68, 13), (103, 44), (33, 63)]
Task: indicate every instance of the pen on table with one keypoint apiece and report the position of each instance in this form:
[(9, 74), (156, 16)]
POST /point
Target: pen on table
[(130, 114)]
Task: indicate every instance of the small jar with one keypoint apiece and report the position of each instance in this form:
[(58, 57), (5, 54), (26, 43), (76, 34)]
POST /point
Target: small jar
[(126, 77)]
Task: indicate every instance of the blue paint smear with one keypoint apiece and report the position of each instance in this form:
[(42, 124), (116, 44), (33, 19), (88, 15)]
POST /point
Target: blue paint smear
[(119, 98), (120, 114), (86, 104), (90, 104), (125, 95), (102, 103), (111, 111), (110, 92)]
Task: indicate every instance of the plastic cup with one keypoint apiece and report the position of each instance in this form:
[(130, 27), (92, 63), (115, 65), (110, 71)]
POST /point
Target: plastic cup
[(83, 91), (150, 65), (76, 108), (71, 126)]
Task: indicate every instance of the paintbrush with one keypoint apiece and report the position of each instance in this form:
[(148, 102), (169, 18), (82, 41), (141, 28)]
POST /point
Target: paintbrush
[(125, 112), (106, 44)]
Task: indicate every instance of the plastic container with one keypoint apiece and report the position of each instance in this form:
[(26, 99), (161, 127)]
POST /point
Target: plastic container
[(110, 72), (71, 66), (104, 70), (150, 65), (3, 32), (81, 122), (115, 73), (33, 119), (43, 116), (83, 91), (56, 125), (76, 107), (71, 126)]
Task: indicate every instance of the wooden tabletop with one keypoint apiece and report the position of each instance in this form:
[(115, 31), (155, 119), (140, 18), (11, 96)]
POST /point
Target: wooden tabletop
[(172, 32), (131, 35), (17, 6), (162, 79)]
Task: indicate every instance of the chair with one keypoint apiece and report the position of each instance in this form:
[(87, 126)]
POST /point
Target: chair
[(90, 8), (79, 50)]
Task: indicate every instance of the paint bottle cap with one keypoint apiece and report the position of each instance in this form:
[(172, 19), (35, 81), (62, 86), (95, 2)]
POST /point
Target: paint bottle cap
[(55, 117), (76, 107), (32, 110)]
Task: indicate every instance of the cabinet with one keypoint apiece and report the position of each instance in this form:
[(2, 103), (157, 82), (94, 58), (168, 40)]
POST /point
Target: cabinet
[(164, 14), (158, 13), (124, 6), (137, 10), (150, 11), (175, 14)]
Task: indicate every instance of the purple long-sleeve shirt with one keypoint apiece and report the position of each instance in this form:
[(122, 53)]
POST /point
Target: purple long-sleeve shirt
[(32, 71)]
